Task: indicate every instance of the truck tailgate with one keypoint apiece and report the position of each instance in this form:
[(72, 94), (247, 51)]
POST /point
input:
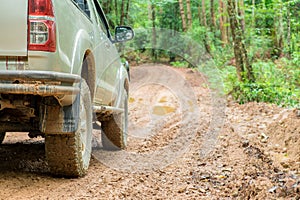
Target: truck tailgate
[(13, 27)]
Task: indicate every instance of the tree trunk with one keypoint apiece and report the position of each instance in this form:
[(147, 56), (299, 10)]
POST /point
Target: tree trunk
[(150, 12), (127, 10), (244, 69), (222, 20), (204, 22), (199, 16), (212, 15), (202, 18), (253, 14), (182, 14), (280, 28), (289, 31), (189, 13), (108, 6), (241, 13), (153, 17), (122, 13), (116, 9), (278, 31)]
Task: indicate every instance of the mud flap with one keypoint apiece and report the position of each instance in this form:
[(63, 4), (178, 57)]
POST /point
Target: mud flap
[(55, 119)]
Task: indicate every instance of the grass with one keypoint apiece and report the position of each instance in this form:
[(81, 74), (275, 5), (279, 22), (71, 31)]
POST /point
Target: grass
[(276, 82)]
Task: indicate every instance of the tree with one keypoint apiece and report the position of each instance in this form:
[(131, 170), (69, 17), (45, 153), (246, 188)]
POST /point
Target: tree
[(127, 10), (116, 9), (154, 41), (243, 66), (189, 13), (278, 29), (122, 13), (222, 21), (212, 15), (204, 21), (289, 30), (182, 14), (241, 14), (253, 14)]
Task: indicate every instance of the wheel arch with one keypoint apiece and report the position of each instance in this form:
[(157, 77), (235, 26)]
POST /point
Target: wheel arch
[(126, 85), (88, 71)]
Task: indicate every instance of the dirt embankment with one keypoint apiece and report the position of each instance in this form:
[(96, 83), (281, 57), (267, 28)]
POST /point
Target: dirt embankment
[(184, 143)]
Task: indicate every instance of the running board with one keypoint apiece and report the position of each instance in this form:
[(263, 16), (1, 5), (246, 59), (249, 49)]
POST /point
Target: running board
[(105, 109)]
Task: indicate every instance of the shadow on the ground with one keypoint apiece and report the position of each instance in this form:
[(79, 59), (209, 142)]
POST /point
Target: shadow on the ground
[(23, 157)]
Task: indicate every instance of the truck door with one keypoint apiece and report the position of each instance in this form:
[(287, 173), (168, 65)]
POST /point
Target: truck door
[(107, 61)]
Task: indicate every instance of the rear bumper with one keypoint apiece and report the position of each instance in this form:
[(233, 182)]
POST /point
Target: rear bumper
[(43, 83)]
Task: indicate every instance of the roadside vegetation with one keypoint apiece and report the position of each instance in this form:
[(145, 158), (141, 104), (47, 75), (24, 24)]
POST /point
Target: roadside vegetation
[(254, 44)]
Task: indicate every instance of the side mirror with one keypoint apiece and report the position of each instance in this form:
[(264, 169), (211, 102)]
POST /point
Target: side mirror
[(123, 34)]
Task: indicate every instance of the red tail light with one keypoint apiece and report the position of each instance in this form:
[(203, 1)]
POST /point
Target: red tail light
[(41, 8), (41, 26)]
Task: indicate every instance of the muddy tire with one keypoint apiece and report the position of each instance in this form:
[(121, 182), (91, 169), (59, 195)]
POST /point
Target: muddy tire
[(114, 130), (69, 154), (2, 136)]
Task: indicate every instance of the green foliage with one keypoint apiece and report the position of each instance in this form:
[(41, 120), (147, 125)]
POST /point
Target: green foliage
[(278, 84), (180, 64), (277, 81), (296, 58)]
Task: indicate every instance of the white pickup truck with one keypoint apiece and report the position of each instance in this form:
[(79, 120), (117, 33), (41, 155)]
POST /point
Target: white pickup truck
[(59, 73)]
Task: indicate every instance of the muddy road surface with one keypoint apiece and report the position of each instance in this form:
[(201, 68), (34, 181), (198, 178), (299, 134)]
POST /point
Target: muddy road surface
[(184, 142)]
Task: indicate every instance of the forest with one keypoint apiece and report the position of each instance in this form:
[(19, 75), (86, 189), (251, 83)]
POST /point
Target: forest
[(254, 44), (213, 107)]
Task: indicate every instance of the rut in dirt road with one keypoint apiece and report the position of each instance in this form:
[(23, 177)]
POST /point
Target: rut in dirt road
[(182, 145), (163, 120)]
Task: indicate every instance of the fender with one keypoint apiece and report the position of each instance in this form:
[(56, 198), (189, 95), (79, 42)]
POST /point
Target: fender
[(81, 45), (123, 77)]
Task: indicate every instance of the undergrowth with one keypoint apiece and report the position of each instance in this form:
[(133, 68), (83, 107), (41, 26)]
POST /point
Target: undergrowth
[(276, 82)]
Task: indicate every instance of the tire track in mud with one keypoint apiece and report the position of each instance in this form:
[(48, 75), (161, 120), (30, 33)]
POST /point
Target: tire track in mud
[(163, 120), (169, 108)]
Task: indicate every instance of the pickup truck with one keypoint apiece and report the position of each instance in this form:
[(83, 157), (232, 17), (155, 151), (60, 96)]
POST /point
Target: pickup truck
[(60, 74)]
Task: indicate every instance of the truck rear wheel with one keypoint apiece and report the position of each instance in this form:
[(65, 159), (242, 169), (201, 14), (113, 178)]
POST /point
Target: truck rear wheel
[(2, 136), (69, 154), (114, 130)]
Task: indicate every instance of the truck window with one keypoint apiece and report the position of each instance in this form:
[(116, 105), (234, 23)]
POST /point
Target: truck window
[(83, 5)]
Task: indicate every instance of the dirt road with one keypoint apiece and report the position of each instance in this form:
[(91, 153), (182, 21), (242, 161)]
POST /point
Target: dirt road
[(184, 143)]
